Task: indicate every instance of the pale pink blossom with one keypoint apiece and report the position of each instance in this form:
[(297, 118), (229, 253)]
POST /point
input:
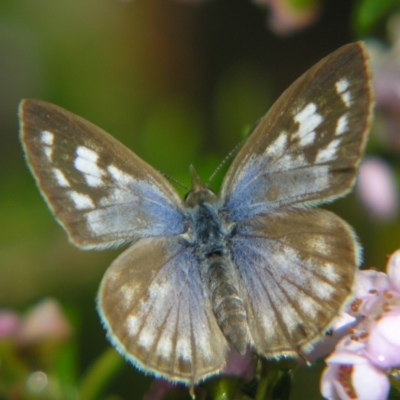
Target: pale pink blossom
[(349, 376), (45, 320), (377, 189), (9, 323), (361, 361), (383, 343), (370, 284), (286, 18)]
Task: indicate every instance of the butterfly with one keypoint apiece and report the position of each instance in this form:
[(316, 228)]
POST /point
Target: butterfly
[(253, 267)]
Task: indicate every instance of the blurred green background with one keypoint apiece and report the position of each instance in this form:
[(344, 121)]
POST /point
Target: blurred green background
[(178, 83)]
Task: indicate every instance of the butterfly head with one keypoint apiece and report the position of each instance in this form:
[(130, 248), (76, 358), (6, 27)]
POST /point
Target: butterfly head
[(198, 193)]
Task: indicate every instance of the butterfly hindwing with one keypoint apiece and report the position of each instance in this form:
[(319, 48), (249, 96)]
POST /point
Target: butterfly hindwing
[(158, 314), (305, 150), (100, 191), (297, 270)]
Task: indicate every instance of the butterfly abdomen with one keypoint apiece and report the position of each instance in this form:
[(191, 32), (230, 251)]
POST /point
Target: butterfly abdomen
[(227, 305), (210, 239)]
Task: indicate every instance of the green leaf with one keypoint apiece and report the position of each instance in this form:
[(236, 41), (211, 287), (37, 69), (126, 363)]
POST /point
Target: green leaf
[(368, 12), (275, 380), (302, 4), (394, 389), (100, 374)]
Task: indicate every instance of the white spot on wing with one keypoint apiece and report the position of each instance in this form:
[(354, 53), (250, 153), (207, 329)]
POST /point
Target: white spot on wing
[(81, 201), (164, 346), (61, 178), (86, 153), (127, 293), (330, 272), (48, 151), (322, 290), (328, 153), (342, 85), (346, 98), (308, 119), (278, 146), (132, 325), (203, 343), (47, 138), (119, 194), (289, 161), (268, 321), (183, 348), (86, 162), (290, 318), (321, 178), (307, 304), (119, 176), (147, 337), (341, 88), (341, 125)]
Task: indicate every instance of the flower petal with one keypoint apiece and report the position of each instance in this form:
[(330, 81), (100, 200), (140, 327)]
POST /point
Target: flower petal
[(393, 270), (369, 382), (383, 344)]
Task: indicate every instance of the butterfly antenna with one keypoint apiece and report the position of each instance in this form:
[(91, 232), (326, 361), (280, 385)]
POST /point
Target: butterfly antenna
[(171, 179), (225, 160)]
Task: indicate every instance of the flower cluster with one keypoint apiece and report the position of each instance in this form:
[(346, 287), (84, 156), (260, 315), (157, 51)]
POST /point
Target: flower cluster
[(360, 365)]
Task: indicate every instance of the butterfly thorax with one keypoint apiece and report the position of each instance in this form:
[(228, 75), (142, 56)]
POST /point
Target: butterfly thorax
[(206, 231), (210, 236)]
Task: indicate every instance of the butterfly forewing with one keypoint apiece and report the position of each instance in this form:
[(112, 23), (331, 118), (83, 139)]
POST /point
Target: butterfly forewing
[(101, 192), (157, 311), (305, 150)]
